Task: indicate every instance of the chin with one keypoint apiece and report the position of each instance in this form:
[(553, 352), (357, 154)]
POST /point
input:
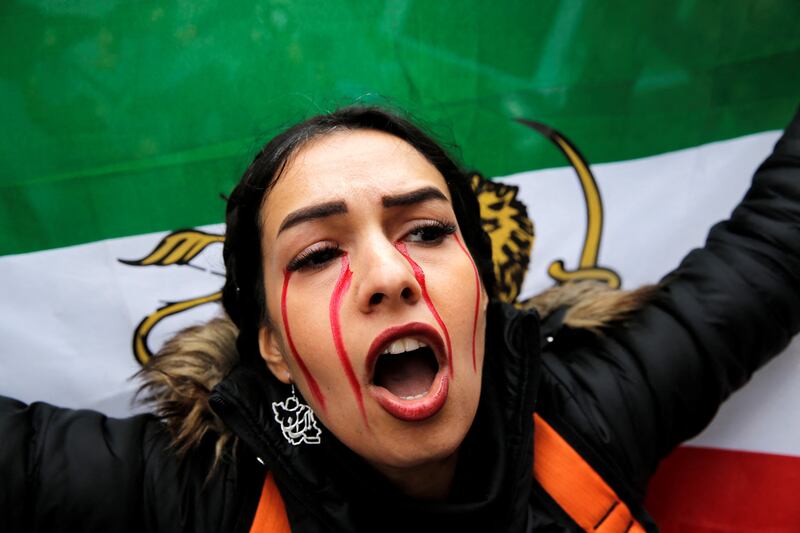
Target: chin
[(399, 444)]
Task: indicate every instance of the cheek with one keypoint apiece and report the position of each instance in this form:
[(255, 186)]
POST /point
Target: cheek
[(419, 274), (477, 289), (334, 311), (310, 314), (299, 360), (452, 291)]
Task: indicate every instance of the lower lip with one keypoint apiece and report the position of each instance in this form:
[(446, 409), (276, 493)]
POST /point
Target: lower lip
[(418, 409)]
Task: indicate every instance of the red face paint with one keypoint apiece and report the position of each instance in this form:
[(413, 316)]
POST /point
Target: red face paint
[(312, 383), (420, 275), (342, 284), (477, 299)]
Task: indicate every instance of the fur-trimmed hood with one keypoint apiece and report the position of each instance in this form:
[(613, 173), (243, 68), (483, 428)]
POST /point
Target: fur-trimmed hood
[(178, 381)]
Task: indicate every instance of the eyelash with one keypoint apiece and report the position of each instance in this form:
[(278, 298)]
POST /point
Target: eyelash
[(318, 255), (437, 230), (314, 257)]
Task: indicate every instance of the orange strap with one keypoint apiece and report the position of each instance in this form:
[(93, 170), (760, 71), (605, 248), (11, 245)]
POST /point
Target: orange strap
[(271, 513), (560, 470), (575, 486)]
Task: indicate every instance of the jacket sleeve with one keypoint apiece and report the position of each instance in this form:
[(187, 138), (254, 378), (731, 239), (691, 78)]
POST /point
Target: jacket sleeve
[(66, 470), (645, 386), (78, 470)]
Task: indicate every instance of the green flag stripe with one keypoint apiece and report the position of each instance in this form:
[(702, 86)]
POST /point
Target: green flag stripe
[(129, 118)]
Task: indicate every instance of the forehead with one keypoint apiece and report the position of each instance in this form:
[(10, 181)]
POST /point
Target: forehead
[(356, 166)]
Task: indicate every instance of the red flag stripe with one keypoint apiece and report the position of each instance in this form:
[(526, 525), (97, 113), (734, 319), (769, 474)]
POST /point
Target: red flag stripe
[(704, 490)]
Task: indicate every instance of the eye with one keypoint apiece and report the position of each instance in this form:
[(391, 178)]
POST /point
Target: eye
[(314, 257), (430, 232)]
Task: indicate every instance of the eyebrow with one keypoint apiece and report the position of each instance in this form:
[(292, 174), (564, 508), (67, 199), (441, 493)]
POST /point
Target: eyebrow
[(338, 207), (414, 197), (313, 212)]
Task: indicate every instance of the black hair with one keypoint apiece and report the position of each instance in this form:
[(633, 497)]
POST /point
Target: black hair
[(243, 294)]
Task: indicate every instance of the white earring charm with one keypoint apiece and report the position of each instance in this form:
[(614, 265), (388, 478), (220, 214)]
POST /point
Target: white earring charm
[(297, 421)]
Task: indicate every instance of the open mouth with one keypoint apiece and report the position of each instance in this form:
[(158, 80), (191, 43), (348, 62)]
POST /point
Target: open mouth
[(407, 366), (407, 369)]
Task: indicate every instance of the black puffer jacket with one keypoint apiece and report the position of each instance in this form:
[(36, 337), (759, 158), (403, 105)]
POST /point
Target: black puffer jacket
[(623, 399)]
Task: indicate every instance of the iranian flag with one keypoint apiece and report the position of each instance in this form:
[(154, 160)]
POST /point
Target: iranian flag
[(628, 131)]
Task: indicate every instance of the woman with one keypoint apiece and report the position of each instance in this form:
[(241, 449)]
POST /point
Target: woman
[(366, 374)]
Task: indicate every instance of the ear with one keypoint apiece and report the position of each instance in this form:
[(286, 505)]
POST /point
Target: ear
[(270, 347)]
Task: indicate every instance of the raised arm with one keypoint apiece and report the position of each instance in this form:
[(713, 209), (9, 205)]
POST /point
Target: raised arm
[(69, 470), (645, 386), (78, 470)]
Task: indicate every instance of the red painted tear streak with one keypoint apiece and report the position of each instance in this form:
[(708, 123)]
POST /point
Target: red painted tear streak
[(342, 284), (312, 383), (420, 275), (477, 300)]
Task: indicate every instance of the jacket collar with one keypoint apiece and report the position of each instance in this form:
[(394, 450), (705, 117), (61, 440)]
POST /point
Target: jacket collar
[(328, 488)]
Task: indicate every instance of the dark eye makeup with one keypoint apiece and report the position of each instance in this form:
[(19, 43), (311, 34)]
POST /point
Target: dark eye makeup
[(317, 256), (430, 232)]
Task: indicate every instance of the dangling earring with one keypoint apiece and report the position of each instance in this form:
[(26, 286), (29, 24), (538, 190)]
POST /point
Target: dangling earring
[(297, 421)]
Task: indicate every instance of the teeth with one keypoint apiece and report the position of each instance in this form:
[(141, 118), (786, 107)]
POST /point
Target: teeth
[(415, 397), (403, 345)]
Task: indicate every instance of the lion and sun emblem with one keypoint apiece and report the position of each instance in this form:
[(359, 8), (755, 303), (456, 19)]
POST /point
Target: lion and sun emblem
[(503, 216)]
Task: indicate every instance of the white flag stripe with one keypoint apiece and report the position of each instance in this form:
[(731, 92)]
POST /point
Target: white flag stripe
[(69, 315), (762, 417), (70, 312), (656, 208)]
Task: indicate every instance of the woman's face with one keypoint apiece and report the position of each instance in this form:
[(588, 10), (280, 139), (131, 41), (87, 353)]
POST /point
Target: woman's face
[(377, 310)]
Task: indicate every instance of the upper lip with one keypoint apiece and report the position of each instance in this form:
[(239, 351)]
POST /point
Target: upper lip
[(417, 330)]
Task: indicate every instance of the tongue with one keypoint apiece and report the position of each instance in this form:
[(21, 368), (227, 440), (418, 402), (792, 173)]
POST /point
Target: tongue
[(405, 375)]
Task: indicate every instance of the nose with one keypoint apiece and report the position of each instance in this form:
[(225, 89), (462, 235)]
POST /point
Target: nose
[(383, 278)]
